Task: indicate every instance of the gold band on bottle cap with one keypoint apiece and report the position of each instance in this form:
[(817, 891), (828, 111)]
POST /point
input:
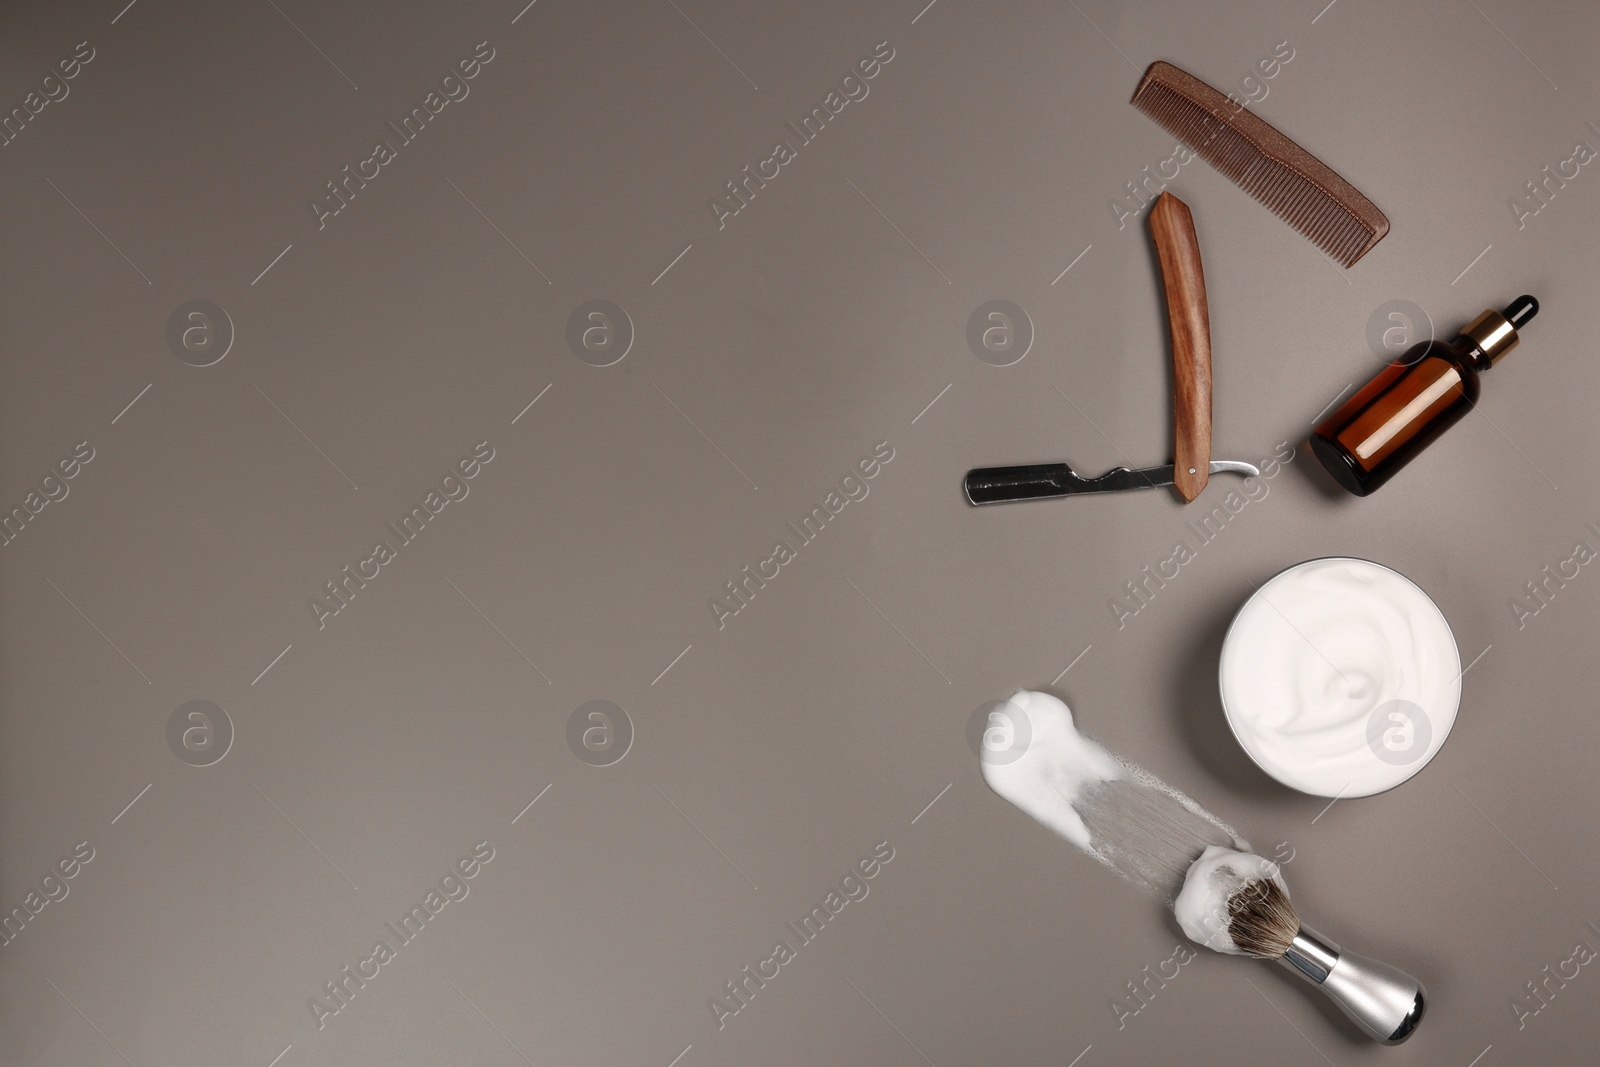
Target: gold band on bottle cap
[(1492, 333)]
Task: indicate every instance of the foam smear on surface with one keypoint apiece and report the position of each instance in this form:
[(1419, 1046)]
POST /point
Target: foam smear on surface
[(1122, 815)]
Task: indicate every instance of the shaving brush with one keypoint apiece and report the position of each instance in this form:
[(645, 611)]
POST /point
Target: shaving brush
[(1247, 894)]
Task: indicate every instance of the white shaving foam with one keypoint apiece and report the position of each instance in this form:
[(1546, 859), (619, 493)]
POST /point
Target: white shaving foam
[(1057, 780), (1059, 765), (1202, 906)]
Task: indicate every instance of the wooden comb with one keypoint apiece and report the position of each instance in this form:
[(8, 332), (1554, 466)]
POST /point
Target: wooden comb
[(1295, 185)]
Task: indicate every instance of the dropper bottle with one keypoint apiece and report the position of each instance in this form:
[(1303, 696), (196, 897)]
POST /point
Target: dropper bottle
[(1413, 400)]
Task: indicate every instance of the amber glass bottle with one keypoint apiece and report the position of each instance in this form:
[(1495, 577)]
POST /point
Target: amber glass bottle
[(1414, 400)]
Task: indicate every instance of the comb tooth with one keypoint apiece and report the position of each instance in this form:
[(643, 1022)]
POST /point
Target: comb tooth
[(1297, 202), (1271, 187), (1347, 239), (1281, 190), (1292, 211), (1340, 232), (1312, 222), (1265, 183), (1349, 253), (1310, 226), (1236, 157), (1294, 215), (1326, 217), (1314, 226), (1369, 237), (1272, 197), (1310, 201), (1285, 195), (1359, 246), (1318, 227), (1268, 181), (1344, 240), (1247, 176), (1272, 191), (1244, 153), (1319, 223), (1244, 175), (1368, 240)]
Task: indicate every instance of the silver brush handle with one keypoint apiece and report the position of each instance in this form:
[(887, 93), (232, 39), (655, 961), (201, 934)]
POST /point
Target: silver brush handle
[(1384, 1001)]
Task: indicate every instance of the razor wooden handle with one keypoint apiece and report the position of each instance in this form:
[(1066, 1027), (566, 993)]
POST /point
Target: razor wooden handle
[(1172, 226)]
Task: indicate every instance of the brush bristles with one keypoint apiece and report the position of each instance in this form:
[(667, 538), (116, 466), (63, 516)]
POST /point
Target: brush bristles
[(1261, 920), (1292, 183)]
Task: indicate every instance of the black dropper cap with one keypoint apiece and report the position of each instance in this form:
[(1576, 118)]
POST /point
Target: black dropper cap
[(1520, 310)]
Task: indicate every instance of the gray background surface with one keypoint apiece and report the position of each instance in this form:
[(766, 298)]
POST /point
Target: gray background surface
[(770, 355)]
